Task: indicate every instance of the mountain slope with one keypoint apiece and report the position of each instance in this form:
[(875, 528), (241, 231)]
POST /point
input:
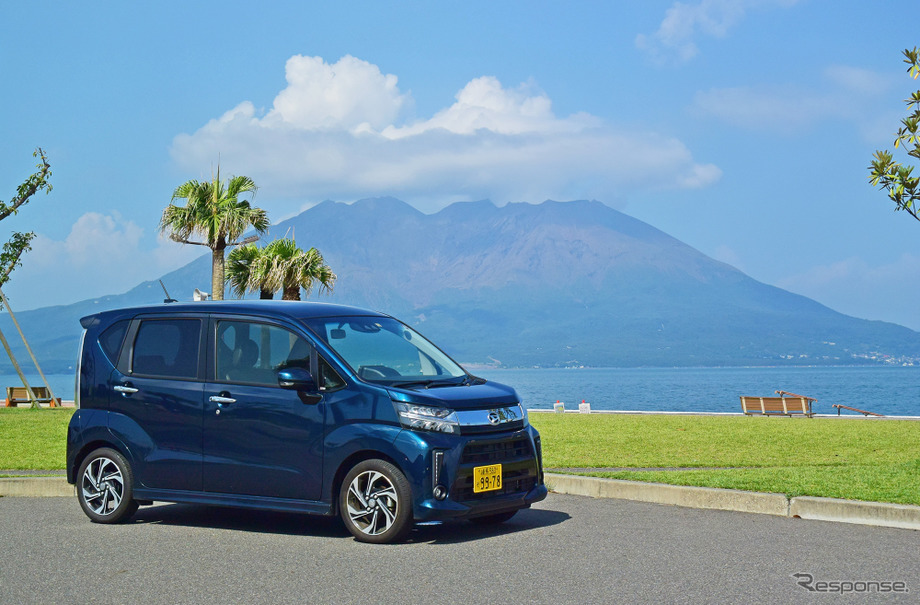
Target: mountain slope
[(574, 283)]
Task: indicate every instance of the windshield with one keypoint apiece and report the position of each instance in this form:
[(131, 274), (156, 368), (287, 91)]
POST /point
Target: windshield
[(381, 349)]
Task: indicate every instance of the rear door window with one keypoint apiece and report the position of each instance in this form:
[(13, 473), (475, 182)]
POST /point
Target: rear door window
[(167, 348)]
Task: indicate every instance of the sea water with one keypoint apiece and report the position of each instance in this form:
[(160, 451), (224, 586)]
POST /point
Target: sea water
[(62, 385), (893, 391)]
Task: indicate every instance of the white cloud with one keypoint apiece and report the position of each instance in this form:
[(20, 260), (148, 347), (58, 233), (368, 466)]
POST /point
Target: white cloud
[(858, 80), (350, 94), (484, 104), (684, 23), (335, 132), (94, 238), (854, 287), (764, 108), (101, 254), (844, 93)]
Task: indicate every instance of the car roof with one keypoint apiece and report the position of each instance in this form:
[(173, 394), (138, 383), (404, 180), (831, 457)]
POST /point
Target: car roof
[(292, 309)]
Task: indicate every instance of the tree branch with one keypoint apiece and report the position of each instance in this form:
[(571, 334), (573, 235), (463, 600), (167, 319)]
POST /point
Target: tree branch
[(32, 185), (176, 238), (12, 251), (11, 264)]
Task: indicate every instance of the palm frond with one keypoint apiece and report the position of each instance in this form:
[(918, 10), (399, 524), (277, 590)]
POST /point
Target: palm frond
[(287, 267), (239, 268), (213, 210)]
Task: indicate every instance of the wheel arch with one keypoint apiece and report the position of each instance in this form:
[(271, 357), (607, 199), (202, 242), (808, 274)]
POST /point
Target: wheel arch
[(349, 463), (89, 448)]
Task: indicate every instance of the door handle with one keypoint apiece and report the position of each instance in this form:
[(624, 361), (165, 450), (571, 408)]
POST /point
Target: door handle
[(125, 389), (221, 400)]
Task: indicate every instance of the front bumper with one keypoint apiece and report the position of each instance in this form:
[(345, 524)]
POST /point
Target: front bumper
[(447, 461), (443, 510)]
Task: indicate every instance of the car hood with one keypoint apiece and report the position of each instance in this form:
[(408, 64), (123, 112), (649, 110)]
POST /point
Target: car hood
[(477, 396)]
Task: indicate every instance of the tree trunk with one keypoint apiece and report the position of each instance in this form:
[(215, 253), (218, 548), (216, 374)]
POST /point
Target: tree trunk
[(291, 293), (217, 271), (6, 303), (22, 376), (266, 294)]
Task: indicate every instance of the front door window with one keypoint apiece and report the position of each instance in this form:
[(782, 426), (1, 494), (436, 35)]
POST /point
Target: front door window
[(252, 353)]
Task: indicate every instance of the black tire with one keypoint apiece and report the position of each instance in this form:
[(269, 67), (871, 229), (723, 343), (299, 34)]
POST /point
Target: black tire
[(494, 519), (375, 502), (105, 487)]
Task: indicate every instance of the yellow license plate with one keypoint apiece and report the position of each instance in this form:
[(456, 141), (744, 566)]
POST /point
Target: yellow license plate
[(487, 478)]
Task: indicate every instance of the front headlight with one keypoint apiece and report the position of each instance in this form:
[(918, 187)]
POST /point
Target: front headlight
[(425, 418)]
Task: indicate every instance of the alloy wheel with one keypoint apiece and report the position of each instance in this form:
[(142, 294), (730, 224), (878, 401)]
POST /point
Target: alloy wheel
[(103, 486), (372, 502)]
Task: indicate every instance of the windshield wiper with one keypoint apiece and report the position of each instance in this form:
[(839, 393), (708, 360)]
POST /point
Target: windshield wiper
[(411, 383), (431, 383)]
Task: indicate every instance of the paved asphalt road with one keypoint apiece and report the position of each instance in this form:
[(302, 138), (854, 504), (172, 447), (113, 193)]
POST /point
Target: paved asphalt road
[(568, 549)]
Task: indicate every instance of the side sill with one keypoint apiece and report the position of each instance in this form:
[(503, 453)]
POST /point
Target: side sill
[(236, 501)]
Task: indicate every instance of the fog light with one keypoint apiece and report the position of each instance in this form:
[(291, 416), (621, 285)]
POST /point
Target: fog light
[(440, 492)]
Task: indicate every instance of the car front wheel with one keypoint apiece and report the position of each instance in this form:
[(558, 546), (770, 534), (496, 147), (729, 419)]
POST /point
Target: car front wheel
[(105, 487), (376, 502)]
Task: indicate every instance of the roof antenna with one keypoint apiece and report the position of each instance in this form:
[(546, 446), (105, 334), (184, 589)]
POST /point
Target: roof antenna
[(168, 299)]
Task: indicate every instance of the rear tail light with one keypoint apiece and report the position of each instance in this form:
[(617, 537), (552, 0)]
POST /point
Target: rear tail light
[(76, 385)]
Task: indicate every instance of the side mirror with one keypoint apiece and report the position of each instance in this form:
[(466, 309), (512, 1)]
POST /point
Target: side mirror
[(296, 379)]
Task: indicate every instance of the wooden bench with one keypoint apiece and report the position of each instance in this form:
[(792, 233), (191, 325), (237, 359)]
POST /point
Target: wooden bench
[(863, 412), (777, 406), (17, 395)]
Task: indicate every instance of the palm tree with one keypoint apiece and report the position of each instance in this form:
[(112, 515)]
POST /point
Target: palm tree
[(280, 265), (289, 269), (246, 271), (214, 211)]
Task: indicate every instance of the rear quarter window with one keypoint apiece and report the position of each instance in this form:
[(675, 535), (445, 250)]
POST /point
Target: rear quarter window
[(111, 339)]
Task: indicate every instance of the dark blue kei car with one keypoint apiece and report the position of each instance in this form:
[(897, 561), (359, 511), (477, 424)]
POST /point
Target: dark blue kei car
[(292, 406)]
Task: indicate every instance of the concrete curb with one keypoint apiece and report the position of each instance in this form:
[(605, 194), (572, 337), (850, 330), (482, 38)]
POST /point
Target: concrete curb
[(821, 509), (850, 511), (678, 495), (35, 487)]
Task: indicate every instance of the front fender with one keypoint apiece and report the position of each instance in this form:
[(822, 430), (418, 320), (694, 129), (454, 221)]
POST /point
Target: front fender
[(408, 450), (358, 441)]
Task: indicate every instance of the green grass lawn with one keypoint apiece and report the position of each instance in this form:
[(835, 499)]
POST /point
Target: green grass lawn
[(877, 460), (33, 439), (857, 459)]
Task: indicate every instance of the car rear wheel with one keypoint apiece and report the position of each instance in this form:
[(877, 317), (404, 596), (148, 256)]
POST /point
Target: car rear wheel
[(105, 487), (375, 502)]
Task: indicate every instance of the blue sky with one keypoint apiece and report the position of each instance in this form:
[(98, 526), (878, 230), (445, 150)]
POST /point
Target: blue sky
[(742, 127)]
